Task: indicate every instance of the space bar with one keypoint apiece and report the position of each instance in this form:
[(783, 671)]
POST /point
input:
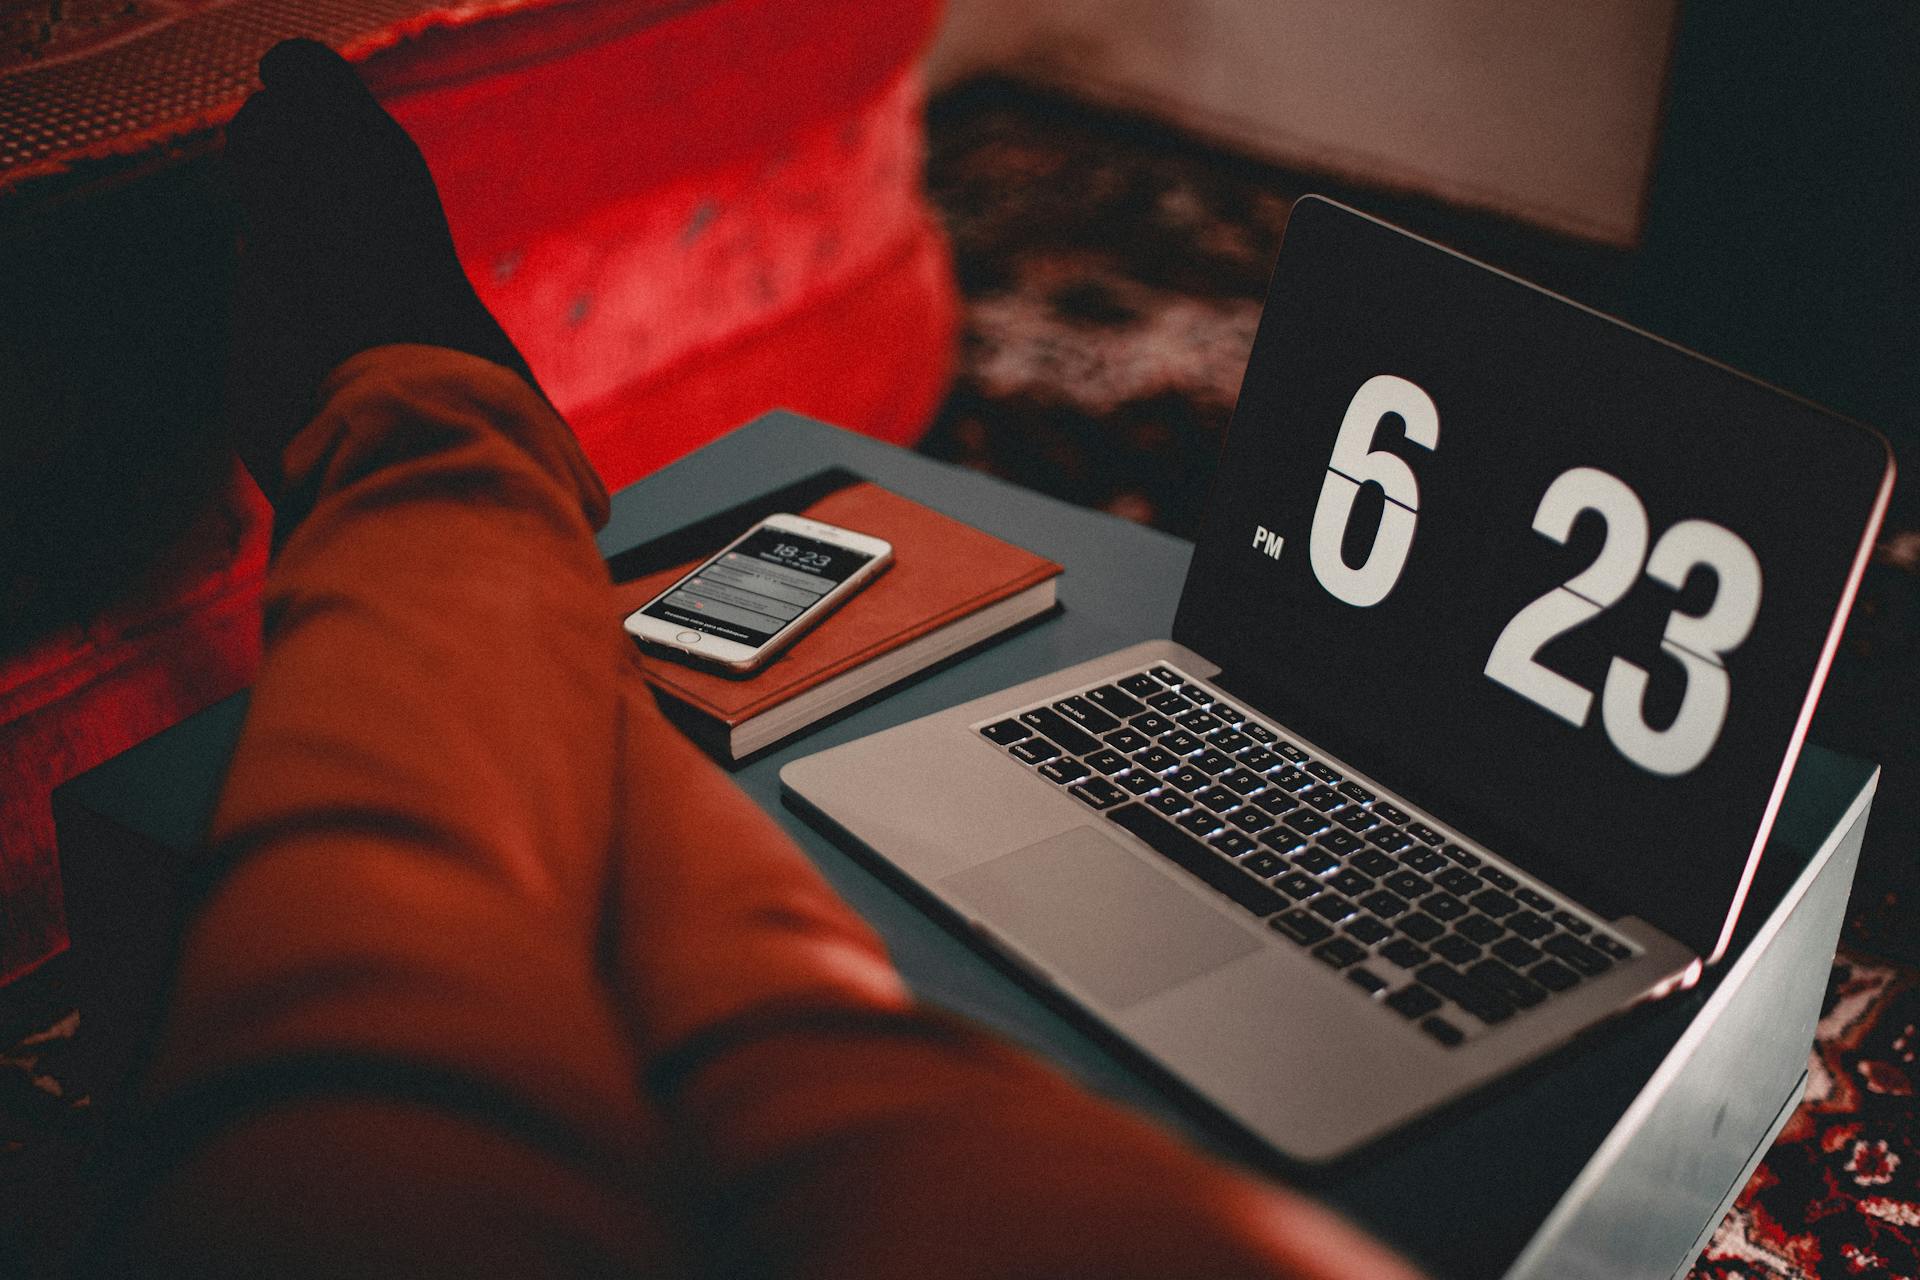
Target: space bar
[(1176, 844)]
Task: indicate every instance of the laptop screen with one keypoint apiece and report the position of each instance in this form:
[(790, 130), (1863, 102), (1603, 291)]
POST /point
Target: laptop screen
[(1566, 586)]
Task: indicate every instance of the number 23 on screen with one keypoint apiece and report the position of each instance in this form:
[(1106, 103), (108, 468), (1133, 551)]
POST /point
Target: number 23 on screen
[(1699, 643)]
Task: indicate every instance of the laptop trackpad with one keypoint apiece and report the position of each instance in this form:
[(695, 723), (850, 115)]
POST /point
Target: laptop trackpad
[(1088, 908)]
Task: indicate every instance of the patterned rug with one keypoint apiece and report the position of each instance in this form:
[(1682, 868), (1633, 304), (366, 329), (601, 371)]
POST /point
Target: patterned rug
[(1114, 275)]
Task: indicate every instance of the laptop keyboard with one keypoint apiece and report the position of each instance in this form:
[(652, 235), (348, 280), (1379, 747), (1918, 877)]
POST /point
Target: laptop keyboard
[(1419, 923)]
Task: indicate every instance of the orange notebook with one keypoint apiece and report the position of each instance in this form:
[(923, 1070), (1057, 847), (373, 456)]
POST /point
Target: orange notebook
[(950, 587)]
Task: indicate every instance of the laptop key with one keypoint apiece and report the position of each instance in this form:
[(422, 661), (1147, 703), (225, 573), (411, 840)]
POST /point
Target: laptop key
[(1111, 700), (1197, 693), (1250, 820), (1392, 839), (1166, 675), (1274, 801), (1478, 929), (1217, 798), (1528, 925), (1612, 946), (1367, 980), (1108, 761), (1259, 732), (1199, 720), (1315, 861), (1283, 840), (1258, 759), (1301, 927), (1421, 927), (1156, 759), (1291, 752), (1382, 903), (1515, 952), (1168, 703), (1063, 731), (1340, 952), (1368, 930), (1098, 792), (1331, 906), (1170, 802), (1340, 842), (1323, 798), (1356, 793), (1263, 864), (1137, 781), (1140, 685), (1233, 844), (1298, 885), (1454, 880), (1325, 772), (1034, 750), (1538, 901), (1354, 818), (1423, 833), (1128, 740), (1404, 883), (1403, 953), (1005, 732), (1180, 742), (1389, 813), (1457, 949), (1373, 862), (1213, 761), (1477, 999), (1231, 714), (1243, 780), (1420, 858), (1168, 840), (1151, 723), (1200, 822), (1576, 953), (1553, 975), (1494, 903), (1498, 977), (1349, 881), (1567, 920), (1413, 1001), (1065, 769), (1229, 740), (1444, 906), (1442, 1030), (1462, 855), (1086, 715), (1188, 778)]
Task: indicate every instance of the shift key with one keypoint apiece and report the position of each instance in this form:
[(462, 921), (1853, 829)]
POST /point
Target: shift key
[(1072, 737)]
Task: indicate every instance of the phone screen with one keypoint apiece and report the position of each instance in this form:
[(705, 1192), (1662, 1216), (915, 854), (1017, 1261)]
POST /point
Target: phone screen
[(748, 593)]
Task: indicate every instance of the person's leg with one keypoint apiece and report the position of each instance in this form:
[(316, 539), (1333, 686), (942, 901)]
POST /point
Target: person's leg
[(389, 1049)]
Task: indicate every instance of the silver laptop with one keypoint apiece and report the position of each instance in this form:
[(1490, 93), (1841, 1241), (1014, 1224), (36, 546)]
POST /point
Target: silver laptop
[(1496, 651)]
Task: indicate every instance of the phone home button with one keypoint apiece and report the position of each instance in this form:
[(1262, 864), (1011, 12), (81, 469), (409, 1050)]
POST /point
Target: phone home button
[(689, 637)]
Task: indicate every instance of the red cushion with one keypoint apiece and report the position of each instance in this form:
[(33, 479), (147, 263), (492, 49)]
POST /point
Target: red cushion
[(684, 213)]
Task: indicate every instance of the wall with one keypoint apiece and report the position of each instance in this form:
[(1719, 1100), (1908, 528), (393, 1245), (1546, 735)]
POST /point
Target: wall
[(1544, 109)]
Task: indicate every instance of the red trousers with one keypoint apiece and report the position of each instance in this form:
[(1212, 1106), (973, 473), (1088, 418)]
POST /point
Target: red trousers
[(499, 975)]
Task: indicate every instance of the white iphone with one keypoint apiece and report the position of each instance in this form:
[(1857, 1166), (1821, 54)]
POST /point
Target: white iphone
[(761, 592)]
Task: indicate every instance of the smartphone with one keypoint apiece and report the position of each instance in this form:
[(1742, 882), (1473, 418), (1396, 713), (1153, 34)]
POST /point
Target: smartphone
[(761, 592)]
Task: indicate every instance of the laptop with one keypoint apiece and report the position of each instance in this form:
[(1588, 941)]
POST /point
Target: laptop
[(1498, 645)]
